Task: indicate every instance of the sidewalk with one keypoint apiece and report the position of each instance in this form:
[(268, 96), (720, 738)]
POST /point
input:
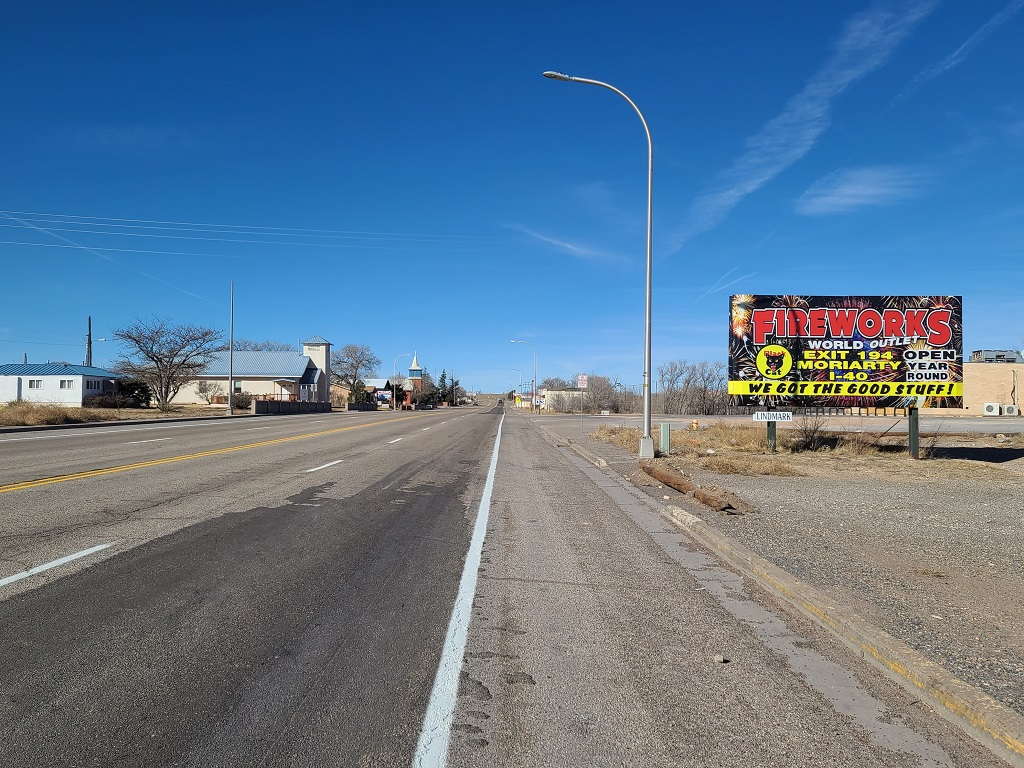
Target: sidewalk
[(923, 581)]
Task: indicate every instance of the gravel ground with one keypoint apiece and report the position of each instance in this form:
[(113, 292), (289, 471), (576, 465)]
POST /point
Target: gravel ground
[(932, 552)]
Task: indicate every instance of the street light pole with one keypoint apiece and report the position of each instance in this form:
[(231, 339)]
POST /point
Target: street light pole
[(646, 441), (394, 387), (533, 395)]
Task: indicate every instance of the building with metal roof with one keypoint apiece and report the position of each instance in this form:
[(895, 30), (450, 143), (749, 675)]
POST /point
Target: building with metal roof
[(54, 383), (302, 376)]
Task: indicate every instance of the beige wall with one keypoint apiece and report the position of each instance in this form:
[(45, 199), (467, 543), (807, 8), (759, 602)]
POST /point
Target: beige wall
[(992, 383), (188, 394), (988, 383)]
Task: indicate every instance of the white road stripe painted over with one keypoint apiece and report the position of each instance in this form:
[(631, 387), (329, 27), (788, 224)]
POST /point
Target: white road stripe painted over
[(53, 564), (154, 440), (325, 466), (395, 440), (435, 735)]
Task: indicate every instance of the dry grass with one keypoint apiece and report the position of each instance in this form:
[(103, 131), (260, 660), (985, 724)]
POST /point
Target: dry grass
[(25, 414), (724, 448), (33, 415)]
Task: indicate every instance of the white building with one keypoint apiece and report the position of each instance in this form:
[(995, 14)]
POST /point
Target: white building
[(53, 383)]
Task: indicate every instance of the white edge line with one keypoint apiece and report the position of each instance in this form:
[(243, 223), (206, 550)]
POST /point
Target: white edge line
[(54, 563), (154, 440), (325, 466), (435, 735), (395, 440)]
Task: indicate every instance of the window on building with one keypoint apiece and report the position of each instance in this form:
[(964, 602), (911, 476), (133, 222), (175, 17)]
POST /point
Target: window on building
[(67, 383), (92, 384), (35, 383), (238, 386)]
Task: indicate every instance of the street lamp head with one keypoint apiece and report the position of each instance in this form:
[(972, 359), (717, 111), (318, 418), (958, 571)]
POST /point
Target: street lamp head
[(557, 76)]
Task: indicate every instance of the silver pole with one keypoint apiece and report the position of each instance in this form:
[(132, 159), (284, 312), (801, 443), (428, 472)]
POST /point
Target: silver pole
[(646, 441), (231, 351)]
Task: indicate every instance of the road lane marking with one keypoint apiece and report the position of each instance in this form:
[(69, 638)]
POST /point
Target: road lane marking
[(154, 440), (253, 429), (395, 440), (187, 457), (424, 429), (54, 563), (325, 466), (435, 735)]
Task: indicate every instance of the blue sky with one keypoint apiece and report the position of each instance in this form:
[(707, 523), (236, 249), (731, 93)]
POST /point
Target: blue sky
[(401, 175)]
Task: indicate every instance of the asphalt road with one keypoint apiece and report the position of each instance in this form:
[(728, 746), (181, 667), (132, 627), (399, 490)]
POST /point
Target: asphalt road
[(252, 609), (277, 592)]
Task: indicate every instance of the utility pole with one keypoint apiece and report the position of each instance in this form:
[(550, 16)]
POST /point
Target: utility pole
[(88, 344)]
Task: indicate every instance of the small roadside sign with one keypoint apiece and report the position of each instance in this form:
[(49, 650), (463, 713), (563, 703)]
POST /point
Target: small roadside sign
[(581, 381), (773, 416)]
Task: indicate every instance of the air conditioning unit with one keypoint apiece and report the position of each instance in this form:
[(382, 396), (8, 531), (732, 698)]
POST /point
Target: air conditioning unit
[(990, 409), (1011, 410)]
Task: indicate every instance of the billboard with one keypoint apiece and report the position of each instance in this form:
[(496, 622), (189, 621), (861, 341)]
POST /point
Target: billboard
[(845, 351)]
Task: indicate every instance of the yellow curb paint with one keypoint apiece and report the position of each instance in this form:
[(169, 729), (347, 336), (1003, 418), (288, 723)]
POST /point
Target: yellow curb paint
[(186, 457)]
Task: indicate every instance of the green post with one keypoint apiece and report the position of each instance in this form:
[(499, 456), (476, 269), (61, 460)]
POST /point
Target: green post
[(666, 439), (915, 441), (771, 436)]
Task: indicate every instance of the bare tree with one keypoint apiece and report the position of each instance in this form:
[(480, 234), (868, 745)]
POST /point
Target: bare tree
[(600, 394), (554, 383), (694, 388), (208, 390), (353, 364), (248, 345), (165, 356)]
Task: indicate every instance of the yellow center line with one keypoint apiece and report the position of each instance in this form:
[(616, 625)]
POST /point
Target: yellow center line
[(187, 457)]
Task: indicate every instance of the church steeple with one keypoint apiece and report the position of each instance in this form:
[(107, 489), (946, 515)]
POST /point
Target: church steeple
[(415, 369)]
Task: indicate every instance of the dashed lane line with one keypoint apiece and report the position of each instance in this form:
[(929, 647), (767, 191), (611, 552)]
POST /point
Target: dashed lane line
[(53, 564)]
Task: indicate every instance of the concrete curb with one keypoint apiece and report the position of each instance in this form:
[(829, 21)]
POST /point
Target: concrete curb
[(1000, 728)]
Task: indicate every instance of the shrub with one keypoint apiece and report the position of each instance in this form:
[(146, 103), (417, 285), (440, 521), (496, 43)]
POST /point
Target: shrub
[(241, 401), (111, 400), (208, 390), (136, 390)]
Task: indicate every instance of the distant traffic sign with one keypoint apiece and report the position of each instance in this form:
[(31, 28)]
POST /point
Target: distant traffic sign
[(773, 416), (581, 381)]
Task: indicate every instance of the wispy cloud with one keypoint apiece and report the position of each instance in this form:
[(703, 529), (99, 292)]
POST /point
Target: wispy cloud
[(956, 57), (719, 286), (866, 43), (853, 188), (134, 139), (579, 250)]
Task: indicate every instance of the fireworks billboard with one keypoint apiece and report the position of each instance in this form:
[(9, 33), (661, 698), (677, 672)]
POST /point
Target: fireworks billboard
[(846, 351)]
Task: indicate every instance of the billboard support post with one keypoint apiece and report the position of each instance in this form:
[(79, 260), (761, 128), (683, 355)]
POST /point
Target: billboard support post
[(914, 434), (771, 437)]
